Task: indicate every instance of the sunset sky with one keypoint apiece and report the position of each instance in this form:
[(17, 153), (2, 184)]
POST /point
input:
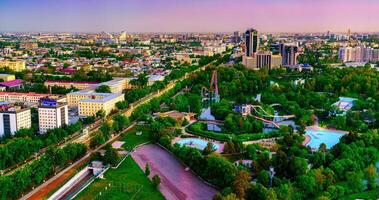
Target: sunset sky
[(189, 15)]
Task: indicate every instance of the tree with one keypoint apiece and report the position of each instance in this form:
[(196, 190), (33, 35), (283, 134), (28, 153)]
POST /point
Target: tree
[(103, 89), (141, 81), (307, 184), (97, 140), (208, 149), (301, 129), (297, 167), (100, 113), (156, 180), (271, 194), (219, 170), (111, 155), (371, 175), (322, 147), (241, 183), (355, 181), (120, 122), (264, 178), (147, 169), (285, 191), (105, 129), (121, 105), (231, 196)]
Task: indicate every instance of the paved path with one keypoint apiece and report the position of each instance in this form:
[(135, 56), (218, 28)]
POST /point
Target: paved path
[(176, 182)]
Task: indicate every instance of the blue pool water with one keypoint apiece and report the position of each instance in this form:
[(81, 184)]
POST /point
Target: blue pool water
[(329, 137), (196, 143)]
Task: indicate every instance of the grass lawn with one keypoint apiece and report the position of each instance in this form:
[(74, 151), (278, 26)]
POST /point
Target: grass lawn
[(126, 182), (131, 139)]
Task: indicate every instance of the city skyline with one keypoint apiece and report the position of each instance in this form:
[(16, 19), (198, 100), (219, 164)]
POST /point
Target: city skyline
[(188, 16)]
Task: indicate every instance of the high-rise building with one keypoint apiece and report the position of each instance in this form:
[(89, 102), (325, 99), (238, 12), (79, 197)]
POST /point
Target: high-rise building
[(13, 119), (51, 114), (289, 53), (252, 42)]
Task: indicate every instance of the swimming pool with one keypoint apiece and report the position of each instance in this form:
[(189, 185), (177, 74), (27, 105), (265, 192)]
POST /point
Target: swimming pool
[(329, 137), (196, 143)]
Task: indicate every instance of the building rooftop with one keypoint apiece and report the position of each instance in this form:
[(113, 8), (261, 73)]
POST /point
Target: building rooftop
[(11, 83), (72, 82), (155, 77), (23, 94), (106, 97), (12, 109)]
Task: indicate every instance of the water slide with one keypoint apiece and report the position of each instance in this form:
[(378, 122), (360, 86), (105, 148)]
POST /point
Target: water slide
[(266, 114)]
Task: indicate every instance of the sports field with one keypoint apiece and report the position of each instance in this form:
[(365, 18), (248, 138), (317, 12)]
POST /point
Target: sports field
[(176, 182), (126, 182)]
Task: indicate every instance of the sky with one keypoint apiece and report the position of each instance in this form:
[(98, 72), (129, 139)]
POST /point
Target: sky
[(188, 15)]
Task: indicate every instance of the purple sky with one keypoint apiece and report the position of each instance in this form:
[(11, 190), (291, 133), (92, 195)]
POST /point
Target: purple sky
[(189, 15)]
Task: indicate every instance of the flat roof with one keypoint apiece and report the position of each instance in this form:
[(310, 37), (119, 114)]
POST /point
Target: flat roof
[(107, 97), (72, 82), (11, 83), (21, 94)]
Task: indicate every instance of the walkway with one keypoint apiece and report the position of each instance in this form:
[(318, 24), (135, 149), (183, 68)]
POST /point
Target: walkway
[(176, 182)]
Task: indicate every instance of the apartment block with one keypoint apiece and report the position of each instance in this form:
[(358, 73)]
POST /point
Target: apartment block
[(51, 114), (17, 97), (99, 101), (13, 119)]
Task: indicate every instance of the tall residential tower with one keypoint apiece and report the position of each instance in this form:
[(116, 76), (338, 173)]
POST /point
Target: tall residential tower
[(252, 42)]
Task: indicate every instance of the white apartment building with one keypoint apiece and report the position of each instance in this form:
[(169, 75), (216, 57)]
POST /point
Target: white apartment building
[(358, 54), (51, 117), (13, 119)]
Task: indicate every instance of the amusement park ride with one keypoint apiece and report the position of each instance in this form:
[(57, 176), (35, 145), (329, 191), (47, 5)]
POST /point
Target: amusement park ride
[(211, 94), (259, 113)]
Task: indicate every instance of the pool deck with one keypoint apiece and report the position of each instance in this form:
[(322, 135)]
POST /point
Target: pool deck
[(317, 128), (219, 150)]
